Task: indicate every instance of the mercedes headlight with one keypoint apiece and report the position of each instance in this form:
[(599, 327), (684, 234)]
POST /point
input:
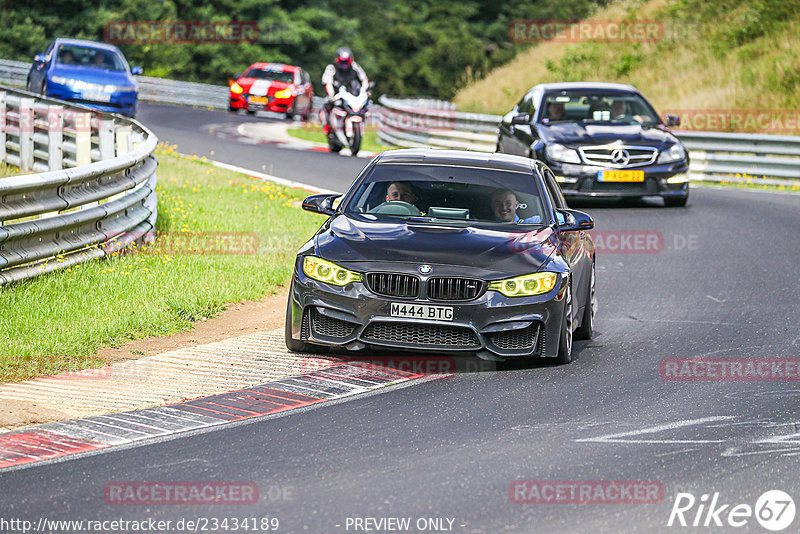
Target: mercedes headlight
[(525, 286), (674, 153), (328, 272), (557, 152)]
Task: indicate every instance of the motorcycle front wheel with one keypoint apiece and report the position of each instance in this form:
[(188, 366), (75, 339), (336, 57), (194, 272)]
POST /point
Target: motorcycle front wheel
[(355, 142)]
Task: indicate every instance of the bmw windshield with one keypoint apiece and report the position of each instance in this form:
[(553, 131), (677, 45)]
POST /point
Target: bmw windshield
[(597, 106), (444, 194)]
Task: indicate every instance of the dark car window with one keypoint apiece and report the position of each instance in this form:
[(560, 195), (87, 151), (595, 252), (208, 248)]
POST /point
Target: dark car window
[(527, 105), (89, 57), (554, 189), (440, 193), (617, 107), (270, 75)]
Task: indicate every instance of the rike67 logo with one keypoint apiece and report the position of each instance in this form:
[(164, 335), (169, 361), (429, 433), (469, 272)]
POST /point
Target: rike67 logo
[(774, 510)]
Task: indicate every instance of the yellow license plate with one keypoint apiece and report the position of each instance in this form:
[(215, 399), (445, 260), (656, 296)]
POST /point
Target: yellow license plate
[(259, 99), (620, 176)]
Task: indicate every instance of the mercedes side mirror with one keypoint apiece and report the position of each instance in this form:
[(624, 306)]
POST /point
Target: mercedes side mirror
[(672, 120), (573, 220), (521, 118), (320, 204)]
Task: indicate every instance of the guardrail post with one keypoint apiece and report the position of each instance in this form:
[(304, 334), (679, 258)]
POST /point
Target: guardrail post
[(3, 152), (26, 134), (123, 140), (55, 134), (83, 138), (106, 138)]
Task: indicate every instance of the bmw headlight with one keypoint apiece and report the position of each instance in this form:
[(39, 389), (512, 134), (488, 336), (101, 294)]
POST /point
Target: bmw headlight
[(527, 285), (557, 152), (60, 80), (674, 153), (328, 272)]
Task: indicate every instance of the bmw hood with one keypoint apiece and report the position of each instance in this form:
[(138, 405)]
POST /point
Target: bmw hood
[(349, 241), (575, 134)]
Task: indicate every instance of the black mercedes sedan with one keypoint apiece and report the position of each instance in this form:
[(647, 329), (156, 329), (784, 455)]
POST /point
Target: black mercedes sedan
[(446, 250), (600, 139)]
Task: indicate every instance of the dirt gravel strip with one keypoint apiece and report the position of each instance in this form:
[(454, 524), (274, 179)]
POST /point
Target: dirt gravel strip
[(332, 381), (165, 378)]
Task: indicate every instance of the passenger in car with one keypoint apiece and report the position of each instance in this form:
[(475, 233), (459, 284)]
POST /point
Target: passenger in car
[(505, 205)]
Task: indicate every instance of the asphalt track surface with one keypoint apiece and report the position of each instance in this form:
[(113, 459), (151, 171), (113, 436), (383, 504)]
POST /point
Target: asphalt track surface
[(723, 283)]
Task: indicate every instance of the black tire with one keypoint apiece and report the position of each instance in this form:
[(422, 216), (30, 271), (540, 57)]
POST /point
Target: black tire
[(565, 338), (355, 144), (585, 330), (676, 202), (28, 86), (295, 345), (333, 144), (43, 92)]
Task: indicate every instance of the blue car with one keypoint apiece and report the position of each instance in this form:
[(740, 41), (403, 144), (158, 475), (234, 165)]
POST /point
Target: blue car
[(86, 72)]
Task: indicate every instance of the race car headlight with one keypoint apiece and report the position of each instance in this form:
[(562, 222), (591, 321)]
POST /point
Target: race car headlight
[(60, 80), (525, 286), (286, 93), (236, 88), (674, 153), (557, 152), (328, 272)]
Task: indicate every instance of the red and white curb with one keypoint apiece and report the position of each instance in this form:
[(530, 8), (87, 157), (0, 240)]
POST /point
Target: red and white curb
[(54, 440)]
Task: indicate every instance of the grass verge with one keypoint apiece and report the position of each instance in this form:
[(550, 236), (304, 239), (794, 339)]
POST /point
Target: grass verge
[(314, 133), (57, 322)]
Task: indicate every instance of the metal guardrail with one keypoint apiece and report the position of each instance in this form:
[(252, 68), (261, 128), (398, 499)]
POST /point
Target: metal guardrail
[(94, 191), (714, 156)]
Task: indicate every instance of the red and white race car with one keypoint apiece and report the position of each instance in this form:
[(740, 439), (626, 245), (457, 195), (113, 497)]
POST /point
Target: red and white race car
[(272, 87)]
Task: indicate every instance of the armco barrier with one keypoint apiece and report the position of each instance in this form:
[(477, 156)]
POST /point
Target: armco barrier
[(714, 156), (94, 191)]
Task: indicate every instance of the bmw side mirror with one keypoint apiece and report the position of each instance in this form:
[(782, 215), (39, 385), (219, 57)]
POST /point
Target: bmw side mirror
[(672, 120), (320, 204), (521, 118), (574, 220), (39, 58), (136, 70)]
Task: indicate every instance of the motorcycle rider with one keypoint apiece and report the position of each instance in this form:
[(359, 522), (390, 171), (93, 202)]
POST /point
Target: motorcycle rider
[(343, 72)]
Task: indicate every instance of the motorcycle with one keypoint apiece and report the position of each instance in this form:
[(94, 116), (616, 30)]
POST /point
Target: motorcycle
[(347, 120)]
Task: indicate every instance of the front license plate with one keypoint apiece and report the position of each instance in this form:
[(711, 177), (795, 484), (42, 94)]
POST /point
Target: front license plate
[(97, 97), (620, 176), (260, 99), (422, 311)]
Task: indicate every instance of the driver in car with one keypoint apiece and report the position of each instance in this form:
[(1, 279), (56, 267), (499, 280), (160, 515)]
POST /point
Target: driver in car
[(400, 191), (504, 206)]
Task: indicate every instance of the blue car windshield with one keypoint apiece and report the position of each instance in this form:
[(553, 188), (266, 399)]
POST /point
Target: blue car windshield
[(83, 56), (437, 194)]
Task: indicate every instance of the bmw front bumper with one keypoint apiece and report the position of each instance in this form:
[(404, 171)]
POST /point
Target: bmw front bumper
[(354, 317)]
